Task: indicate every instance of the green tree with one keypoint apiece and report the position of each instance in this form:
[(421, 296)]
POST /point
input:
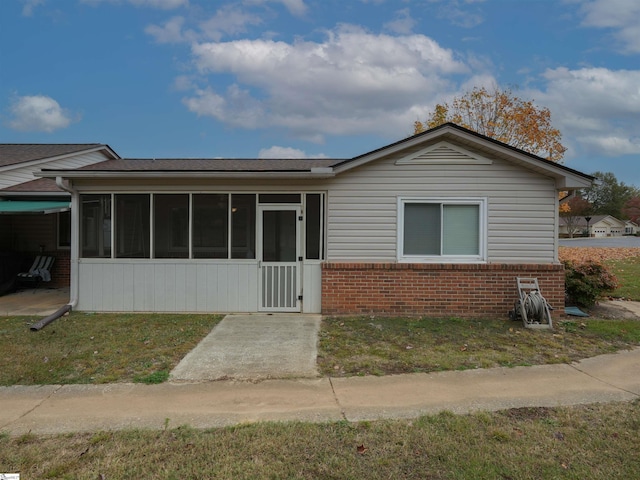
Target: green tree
[(501, 115), (608, 196)]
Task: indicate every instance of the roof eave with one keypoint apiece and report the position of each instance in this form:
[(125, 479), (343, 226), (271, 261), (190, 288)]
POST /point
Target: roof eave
[(121, 174)]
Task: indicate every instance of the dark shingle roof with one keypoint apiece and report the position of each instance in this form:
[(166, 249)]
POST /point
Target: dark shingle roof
[(41, 185), (15, 153), (212, 165)]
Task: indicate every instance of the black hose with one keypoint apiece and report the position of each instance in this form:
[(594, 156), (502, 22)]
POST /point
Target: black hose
[(47, 320)]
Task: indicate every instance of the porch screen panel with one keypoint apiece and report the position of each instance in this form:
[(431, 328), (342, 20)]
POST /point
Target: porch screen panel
[(133, 226), (211, 226), (95, 226), (421, 229), (171, 226), (243, 226)]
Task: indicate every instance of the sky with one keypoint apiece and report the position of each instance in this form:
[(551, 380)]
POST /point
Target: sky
[(312, 78)]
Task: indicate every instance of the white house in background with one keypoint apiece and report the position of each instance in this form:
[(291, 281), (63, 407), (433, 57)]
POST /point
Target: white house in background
[(439, 223), (631, 228), (35, 212), (598, 226)]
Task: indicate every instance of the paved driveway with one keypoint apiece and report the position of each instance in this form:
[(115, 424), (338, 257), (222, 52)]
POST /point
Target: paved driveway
[(601, 242)]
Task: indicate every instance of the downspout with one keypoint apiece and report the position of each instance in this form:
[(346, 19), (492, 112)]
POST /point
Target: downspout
[(73, 267), (75, 221)]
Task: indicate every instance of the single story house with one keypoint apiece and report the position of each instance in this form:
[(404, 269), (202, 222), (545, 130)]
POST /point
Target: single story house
[(34, 212), (597, 226), (439, 223), (631, 228)]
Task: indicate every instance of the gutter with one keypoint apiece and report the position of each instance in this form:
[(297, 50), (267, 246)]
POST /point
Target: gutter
[(73, 300)]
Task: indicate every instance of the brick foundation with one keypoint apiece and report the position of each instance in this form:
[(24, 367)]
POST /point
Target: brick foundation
[(464, 290)]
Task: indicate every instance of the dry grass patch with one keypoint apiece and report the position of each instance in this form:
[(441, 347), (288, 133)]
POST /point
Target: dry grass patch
[(595, 442), (98, 348), (379, 346)]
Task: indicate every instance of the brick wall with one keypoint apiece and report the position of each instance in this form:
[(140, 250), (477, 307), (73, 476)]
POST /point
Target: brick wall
[(61, 271), (433, 289)]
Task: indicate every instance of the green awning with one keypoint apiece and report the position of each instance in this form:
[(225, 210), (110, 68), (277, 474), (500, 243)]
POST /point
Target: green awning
[(8, 207)]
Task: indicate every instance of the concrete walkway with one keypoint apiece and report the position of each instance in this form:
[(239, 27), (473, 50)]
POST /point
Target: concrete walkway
[(254, 347), (71, 408)]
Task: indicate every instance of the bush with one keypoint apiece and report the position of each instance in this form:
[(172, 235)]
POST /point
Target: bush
[(586, 281)]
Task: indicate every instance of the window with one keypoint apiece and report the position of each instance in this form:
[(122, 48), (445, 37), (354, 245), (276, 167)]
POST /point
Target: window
[(132, 226), (432, 229), (95, 226), (171, 226)]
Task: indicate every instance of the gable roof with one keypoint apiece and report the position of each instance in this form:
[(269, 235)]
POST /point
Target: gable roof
[(18, 153), (567, 178)]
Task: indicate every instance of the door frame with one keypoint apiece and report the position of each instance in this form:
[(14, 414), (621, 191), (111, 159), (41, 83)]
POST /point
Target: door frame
[(263, 266)]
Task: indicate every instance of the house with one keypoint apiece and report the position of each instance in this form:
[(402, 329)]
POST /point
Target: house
[(439, 223), (34, 212), (631, 228), (597, 226)]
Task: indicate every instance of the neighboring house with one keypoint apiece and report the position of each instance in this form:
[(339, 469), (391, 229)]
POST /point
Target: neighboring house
[(34, 212), (597, 226), (439, 223), (631, 228)]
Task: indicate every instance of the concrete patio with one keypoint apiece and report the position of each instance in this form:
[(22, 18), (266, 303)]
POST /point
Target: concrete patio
[(39, 302)]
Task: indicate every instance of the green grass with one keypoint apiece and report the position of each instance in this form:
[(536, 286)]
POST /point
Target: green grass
[(98, 348), (379, 346), (628, 274), (595, 442)]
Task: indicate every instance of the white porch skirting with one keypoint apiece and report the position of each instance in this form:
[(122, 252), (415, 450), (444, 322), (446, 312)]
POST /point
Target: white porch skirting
[(131, 285)]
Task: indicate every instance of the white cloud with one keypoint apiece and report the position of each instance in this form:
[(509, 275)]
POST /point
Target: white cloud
[(353, 82), (623, 16), (402, 24), (37, 113), (285, 152), (295, 7), (30, 5), (161, 4), (236, 108), (597, 108), (461, 15), (228, 20), (170, 32)]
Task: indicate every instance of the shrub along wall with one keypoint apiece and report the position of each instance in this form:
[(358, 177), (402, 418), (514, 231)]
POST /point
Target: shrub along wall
[(464, 290)]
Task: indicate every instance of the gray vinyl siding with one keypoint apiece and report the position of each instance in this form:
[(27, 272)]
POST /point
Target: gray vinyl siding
[(22, 173), (362, 207)]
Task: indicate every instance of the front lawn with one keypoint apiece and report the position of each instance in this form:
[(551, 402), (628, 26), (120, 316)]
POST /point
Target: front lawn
[(98, 348), (589, 441), (380, 346)]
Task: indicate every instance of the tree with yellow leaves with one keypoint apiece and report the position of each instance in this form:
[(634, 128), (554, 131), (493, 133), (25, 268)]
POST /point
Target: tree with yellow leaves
[(501, 115)]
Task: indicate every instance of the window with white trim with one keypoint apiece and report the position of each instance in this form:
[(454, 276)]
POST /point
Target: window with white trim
[(441, 229)]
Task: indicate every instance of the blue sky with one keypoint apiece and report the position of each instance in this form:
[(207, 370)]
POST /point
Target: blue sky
[(312, 78)]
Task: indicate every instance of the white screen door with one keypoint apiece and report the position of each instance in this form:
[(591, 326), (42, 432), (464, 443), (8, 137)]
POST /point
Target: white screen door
[(279, 259)]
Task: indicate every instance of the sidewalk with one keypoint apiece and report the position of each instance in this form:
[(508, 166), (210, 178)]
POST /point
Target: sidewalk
[(57, 409)]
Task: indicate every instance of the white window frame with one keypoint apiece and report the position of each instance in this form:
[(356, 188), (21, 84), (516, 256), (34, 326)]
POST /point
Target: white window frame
[(481, 202)]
